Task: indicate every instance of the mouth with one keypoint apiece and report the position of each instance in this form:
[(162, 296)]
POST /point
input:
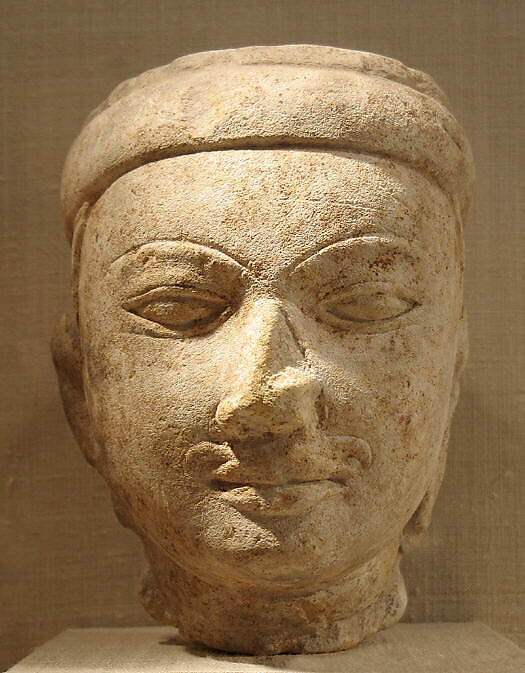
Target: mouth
[(275, 499), (266, 482)]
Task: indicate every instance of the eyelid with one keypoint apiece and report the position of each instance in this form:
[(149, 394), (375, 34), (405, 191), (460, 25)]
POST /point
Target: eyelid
[(359, 288), (400, 304), (200, 311), (160, 291)]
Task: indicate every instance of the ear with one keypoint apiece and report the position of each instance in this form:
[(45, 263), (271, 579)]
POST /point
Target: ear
[(420, 520), (67, 358)]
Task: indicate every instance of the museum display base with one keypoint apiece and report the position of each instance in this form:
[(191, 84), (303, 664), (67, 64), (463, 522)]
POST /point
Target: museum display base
[(405, 648)]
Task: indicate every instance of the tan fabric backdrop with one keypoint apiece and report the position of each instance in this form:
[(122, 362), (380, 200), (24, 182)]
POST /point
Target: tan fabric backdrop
[(65, 561)]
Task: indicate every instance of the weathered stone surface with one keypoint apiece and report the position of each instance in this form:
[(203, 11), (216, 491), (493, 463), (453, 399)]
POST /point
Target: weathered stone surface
[(268, 333)]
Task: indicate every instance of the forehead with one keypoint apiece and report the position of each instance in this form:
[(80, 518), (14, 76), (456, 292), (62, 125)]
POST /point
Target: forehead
[(268, 208)]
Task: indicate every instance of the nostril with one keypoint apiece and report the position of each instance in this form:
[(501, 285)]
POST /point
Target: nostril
[(226, 411)]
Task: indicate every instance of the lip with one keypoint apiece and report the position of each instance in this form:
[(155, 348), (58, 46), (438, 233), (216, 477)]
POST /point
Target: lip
[(276, 500)]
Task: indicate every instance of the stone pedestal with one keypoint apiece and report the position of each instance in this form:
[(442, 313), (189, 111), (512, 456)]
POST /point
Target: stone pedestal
[(405, 648)]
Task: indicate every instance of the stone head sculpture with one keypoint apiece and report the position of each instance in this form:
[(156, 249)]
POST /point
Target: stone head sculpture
[(268, 333)]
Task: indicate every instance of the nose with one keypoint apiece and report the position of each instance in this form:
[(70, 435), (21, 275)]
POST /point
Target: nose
[(273, 393)]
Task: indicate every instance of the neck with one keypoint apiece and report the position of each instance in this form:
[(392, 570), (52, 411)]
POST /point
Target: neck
[(238, 617)]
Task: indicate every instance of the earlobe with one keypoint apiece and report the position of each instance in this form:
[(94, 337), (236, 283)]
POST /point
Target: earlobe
[(462, 347), (67, 358)]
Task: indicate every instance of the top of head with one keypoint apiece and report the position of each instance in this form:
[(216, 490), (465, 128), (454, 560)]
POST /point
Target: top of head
[(268, 97)]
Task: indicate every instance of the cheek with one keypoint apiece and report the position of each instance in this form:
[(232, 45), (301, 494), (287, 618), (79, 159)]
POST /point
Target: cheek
[(149, 400), (393, 390)]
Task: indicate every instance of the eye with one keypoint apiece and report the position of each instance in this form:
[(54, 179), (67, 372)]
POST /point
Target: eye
[(181, 309), (363, 305)]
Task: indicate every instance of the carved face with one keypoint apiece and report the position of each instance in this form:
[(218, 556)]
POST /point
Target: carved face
[(269, 340)]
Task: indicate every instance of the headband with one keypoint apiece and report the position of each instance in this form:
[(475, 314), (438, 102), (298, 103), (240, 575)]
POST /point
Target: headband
[(270, 97)]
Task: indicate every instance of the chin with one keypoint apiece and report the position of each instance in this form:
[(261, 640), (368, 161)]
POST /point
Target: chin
[(303, 550), (241, 605)]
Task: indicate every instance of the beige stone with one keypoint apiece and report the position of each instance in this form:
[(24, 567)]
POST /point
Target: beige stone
[(268, 333), (406, 648)]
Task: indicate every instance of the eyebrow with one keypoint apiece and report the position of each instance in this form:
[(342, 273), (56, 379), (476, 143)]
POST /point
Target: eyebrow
[(222, 253), (384, 239)]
